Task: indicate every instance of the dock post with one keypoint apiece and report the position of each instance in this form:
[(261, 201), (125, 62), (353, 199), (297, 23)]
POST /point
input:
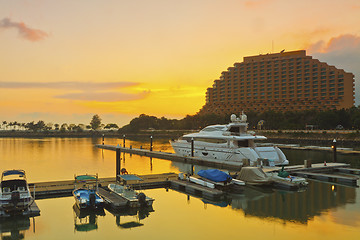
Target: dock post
[(334, 149), (192, 147), (118, 163), (124, 140), (151, 143), (103, 139)]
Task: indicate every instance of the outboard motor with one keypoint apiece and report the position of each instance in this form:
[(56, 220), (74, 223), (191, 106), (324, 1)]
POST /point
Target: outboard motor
[(142, 199), (92, 199), (15, 197)]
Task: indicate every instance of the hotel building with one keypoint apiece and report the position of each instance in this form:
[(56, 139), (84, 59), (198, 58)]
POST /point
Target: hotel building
[(285, 81)]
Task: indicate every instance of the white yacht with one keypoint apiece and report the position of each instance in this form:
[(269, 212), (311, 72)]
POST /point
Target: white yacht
[(231, 143)]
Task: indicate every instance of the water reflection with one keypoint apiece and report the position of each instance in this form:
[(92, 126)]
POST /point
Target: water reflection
[(130, 218), (86, 220), (288, 206), (14, 227)]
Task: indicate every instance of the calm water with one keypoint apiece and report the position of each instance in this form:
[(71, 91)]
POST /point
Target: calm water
[(317, 213)]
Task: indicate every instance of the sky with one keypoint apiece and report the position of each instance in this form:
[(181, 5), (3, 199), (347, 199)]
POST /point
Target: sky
[(64, 61)]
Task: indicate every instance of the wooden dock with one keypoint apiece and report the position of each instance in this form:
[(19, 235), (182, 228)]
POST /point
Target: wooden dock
[(55, 189), (332, 178), (345, 151), (193, 188), (173, 157), (113, 200)]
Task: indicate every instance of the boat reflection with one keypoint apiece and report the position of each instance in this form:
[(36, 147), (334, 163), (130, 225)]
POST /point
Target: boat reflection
[(130, 218), (14, 227), (86, 220)]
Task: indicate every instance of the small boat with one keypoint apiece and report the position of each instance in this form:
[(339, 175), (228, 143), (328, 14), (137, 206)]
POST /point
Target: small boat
[(87, 197), (134, 198), (283, 179), (14, 193), (254, 176), (214, 178)]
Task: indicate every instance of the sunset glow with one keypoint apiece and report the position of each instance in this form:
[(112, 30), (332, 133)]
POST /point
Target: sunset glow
[(63, 61)]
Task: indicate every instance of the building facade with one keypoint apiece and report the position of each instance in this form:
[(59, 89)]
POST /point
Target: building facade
[(286, 81)]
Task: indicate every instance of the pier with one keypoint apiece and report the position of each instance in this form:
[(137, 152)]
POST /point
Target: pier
[(173, 157)]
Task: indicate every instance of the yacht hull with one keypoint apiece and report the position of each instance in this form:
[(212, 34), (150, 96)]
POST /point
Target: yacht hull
[(231, 155)]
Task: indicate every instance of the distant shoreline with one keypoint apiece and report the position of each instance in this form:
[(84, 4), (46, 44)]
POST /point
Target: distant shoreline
[(350, 139)]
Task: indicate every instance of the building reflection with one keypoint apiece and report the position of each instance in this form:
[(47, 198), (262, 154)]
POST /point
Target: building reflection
[(294, 206), (14, 227)]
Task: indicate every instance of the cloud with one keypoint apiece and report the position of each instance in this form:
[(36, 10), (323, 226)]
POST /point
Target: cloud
[(85, 91), (103, 96), (24, 31), (343, 52), (341, 43), (68, 85)]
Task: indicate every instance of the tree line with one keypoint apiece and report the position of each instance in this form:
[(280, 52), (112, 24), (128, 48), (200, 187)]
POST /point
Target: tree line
[(41, 126), (331, 119)]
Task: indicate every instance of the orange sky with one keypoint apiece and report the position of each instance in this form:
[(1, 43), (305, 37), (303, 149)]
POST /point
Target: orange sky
[(63, 61)]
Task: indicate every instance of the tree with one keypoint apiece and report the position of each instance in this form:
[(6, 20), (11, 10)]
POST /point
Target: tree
[(95, 122)]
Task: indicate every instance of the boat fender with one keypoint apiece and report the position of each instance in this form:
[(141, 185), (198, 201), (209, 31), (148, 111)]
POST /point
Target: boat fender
[(141, 198)]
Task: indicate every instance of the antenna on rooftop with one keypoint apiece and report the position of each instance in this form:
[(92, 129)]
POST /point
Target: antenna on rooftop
[(272, 46)]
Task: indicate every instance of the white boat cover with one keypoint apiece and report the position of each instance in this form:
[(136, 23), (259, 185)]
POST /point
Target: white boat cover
[(253, 175)]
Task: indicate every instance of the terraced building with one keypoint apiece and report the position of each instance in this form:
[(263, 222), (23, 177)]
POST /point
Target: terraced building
[(285, 81)]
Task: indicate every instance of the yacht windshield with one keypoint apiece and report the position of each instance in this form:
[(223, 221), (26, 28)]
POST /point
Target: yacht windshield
[(213, 128)]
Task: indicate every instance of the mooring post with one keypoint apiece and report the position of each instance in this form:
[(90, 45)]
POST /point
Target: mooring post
[(192, 147), (118, 163), (124, 140), (103, 139), (334, 149), (151, 143)]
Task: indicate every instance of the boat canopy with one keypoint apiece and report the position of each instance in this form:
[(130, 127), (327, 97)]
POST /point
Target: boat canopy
[(14, 172), (85, 177), (214, 175)]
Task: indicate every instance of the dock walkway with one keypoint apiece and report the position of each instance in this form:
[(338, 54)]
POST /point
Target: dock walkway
[(173, 157), (64, 188)]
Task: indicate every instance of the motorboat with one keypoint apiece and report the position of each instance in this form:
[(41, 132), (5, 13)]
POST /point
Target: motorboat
[(231, 143), (15, 194), (134, 198), (283, 179), (256, 176), (87, 196), (215, 179)]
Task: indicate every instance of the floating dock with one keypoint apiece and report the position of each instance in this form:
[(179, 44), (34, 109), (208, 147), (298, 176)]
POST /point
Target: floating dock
[(196, 189), (43, 190)]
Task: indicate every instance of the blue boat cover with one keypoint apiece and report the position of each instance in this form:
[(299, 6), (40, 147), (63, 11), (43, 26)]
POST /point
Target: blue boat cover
[(214, 175)]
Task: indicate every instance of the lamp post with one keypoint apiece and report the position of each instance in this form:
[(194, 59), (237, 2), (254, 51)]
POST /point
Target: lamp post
[(334, 149)]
